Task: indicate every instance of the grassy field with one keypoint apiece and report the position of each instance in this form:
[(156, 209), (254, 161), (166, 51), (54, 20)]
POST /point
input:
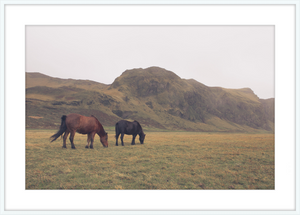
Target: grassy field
[(167, 160)]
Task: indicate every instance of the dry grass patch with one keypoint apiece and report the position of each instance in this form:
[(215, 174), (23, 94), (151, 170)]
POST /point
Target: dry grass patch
[(167, 160)]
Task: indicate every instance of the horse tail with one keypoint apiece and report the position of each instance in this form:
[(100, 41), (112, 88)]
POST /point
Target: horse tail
[(62, 129)]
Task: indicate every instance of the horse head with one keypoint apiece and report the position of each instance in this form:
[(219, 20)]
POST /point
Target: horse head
[(142, 137), (103, 140)]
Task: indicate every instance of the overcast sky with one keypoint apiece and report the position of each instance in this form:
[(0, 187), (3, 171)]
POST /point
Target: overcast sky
[(223, 56)]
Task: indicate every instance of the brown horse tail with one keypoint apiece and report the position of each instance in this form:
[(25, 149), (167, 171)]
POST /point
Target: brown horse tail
[(62, 129)]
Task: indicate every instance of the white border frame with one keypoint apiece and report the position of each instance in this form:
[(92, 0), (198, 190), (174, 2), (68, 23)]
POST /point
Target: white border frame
[(4, 76)]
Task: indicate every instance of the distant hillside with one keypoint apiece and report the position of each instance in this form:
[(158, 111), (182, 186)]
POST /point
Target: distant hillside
[(154, 96), (34, 79)]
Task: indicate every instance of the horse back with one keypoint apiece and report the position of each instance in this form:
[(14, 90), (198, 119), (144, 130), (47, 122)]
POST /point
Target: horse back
[(82, 124), (127, 127)]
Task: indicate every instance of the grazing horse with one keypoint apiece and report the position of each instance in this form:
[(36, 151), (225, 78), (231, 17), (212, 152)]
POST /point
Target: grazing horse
[(83, 125), (126, 127)]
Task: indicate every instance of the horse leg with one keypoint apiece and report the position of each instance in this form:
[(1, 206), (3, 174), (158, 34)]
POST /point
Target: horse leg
[(88, 140), (122, 136), (72, 139), (65, 138), (117, 137), (92, 140), (133, 139)]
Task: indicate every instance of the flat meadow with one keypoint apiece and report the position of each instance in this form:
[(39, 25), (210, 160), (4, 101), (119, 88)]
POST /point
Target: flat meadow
[(167, 160)]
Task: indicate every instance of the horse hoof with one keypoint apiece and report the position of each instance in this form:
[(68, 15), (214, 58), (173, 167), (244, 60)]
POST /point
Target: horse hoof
[(73, 148), (64, 147), (91, 147), (86, 147)]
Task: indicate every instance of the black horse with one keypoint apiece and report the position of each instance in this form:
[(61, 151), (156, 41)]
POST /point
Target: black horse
[(125, 127)]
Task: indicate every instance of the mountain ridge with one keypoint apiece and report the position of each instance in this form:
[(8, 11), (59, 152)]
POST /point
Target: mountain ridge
[(155, 97)]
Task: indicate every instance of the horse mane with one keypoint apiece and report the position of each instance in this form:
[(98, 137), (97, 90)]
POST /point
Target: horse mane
[(96, 119), (137, 122), (100, 126), (139, 125)]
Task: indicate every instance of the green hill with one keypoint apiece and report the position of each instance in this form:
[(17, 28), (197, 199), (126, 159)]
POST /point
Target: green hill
[(156, 97)]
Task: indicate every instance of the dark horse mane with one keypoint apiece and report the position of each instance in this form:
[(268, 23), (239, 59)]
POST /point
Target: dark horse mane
[(139, 125)]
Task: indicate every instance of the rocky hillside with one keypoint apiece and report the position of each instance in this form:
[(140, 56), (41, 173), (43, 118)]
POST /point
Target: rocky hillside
[(154, 96)]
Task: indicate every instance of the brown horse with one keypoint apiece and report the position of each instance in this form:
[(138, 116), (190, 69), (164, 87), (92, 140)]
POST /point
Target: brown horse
[(82, 124)]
